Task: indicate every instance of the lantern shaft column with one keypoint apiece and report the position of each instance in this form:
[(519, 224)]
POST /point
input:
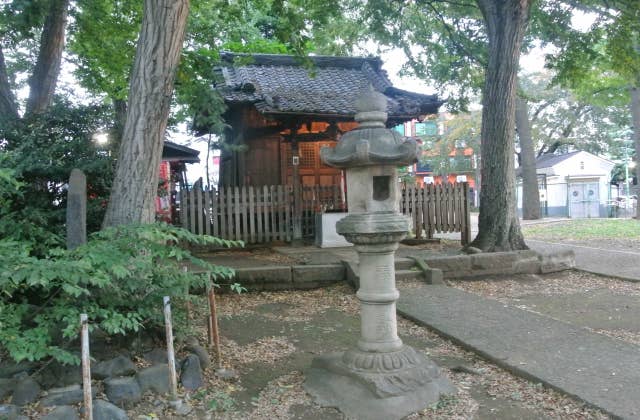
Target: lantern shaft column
[(381, 378)]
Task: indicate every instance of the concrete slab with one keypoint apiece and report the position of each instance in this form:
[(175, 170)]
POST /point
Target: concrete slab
[(599, 370)]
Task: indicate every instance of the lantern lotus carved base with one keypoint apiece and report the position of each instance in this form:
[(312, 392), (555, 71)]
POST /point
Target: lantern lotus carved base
[(373, 385)]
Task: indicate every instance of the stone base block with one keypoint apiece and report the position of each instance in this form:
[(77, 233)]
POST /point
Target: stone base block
[(351, 273), (433, 276), (326, 235), (558, 261), (376, 386), (318, 274)]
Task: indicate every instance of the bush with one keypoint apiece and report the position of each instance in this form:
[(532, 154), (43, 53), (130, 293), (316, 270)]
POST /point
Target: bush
[(41, 151), (118, 278)]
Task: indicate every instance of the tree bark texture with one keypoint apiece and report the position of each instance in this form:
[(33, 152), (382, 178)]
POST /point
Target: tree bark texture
[(499, 228), (8, 106), (42, 83), (157, 56), (120, 111), (635, 115), (530, 194)]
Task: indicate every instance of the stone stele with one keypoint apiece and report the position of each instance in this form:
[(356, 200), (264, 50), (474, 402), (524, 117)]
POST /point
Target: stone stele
[(381, 378), (76, 209)]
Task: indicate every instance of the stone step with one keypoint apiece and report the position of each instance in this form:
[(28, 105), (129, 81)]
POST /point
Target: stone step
[(409, 275), (404, 263)]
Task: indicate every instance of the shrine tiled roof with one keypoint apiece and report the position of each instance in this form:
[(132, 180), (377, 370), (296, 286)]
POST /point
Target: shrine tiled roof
[(318, 85), (177, 152)]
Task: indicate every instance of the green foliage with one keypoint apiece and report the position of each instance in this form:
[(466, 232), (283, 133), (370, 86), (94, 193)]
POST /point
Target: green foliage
[(118, 278), (41, 151), (445, 153), (604, 60), (103, 41), (444, 43), (21, 23), (565, 120)]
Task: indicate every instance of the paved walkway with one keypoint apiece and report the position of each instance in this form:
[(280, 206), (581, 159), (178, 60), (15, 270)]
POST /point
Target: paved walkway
[(591, 367)]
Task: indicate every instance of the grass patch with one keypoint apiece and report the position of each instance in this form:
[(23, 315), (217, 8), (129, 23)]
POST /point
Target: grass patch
[(585, 229)]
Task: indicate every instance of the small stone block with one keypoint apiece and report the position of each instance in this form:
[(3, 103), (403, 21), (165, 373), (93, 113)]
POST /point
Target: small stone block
[(122, 390), (156, 356), (351, 273), (118, 366), (191, 376), (558, 261), (527, 266), (104, 410), (493, 261), (433, 276), (64, 396), (257, 277), (452, 263), (26, 391), (326, 273), (6, 388), (154, 378)]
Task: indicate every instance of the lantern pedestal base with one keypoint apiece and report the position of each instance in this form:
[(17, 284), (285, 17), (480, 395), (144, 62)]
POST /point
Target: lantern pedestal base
[(371, 385)]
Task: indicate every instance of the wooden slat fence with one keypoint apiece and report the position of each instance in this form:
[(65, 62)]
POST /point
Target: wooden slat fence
[(265, 214), (254, 214), (250, 214), (437, 208)]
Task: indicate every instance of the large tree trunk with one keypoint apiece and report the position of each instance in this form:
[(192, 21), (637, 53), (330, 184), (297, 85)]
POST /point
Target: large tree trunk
[(8, 106), (158, 54), (120, 111), (530, 194), (635, 113), (42, 83), (499, 228)]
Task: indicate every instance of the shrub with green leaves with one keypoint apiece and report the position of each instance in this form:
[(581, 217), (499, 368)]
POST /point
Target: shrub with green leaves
[(118, 278), (41, 151)]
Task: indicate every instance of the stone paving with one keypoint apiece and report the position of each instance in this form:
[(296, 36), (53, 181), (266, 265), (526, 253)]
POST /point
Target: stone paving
[(599, 370)]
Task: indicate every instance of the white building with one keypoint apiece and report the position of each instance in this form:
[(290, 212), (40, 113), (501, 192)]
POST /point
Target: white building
[(575, 184)]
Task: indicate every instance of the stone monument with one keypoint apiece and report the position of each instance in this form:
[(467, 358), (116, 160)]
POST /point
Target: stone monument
[(76, 209), (381, 378)]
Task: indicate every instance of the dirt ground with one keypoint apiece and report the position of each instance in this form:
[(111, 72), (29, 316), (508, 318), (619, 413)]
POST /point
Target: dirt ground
[(270, 339)]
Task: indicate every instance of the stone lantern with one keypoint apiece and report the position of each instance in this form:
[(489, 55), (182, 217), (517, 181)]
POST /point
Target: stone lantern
[(381, 378)]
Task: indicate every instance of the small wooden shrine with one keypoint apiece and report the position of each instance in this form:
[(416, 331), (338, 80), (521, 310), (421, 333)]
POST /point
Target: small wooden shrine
[(281, 110)]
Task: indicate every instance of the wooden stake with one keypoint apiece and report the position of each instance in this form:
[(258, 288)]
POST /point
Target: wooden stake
[(214, 337), (187, 300), (170, 354), (86, 367)]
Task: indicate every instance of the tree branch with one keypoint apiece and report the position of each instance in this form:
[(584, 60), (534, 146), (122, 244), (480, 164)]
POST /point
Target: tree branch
[(42, 83), (452, 35), (8, 106)]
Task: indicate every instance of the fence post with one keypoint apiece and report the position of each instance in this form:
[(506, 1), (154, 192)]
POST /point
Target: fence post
[(86, 367), (171, 358)]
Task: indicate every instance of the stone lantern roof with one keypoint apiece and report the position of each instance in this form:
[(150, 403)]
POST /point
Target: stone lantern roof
[(371, 143)]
